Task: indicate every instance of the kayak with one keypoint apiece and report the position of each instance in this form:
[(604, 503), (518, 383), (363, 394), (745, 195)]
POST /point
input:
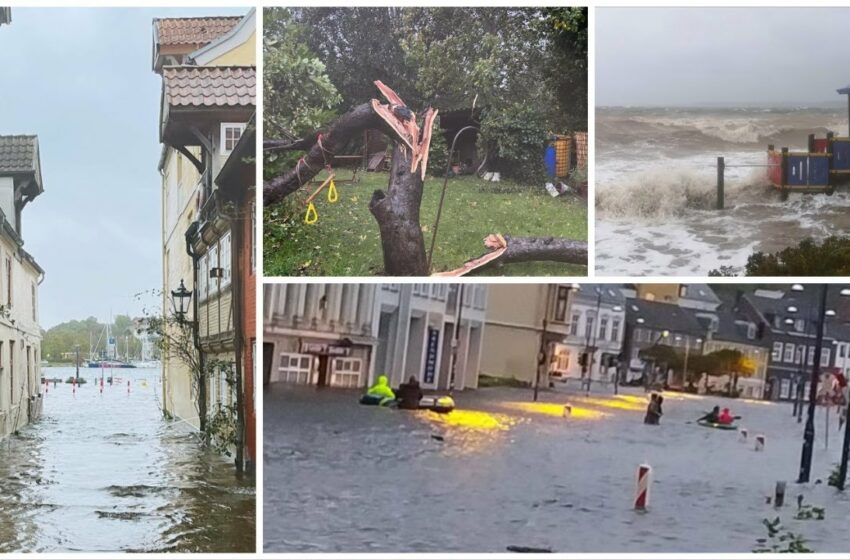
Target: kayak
[(441, 405), (716, 426)]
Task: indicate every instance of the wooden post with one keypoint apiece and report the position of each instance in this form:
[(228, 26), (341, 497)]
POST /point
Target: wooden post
[(784, 167), (811, 143), (721, 168)]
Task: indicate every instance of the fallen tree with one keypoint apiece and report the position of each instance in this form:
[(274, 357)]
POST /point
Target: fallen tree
[(397, 209)]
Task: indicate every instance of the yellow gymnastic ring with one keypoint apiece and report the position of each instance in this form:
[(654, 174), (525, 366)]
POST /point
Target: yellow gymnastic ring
[(312, 216), (333, 196)]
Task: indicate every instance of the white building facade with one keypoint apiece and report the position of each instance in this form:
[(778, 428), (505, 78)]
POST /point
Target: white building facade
[(345, 335), (20, 276)]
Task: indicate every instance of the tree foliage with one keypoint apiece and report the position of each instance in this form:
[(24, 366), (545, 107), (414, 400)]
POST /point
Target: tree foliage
[(808, 258), (516, 63), (65, 337)]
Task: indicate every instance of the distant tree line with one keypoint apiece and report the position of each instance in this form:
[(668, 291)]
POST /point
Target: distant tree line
[(808, 258), (65, 337)]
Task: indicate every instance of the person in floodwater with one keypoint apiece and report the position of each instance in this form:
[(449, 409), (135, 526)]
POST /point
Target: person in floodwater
[(409, 394), (712, 417), (653, 410), (382, 389), (725, 417)]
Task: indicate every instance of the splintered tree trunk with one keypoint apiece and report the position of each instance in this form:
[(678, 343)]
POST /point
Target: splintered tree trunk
[(397, 214)]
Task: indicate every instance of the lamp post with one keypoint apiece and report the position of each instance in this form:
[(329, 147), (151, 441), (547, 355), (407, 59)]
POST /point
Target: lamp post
[(542, 354), (809, 432), (664, 334), (687, 352), (626, 354), (845, 448)]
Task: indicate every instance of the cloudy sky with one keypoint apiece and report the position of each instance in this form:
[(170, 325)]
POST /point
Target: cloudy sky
[(81, 80), (699, 56)]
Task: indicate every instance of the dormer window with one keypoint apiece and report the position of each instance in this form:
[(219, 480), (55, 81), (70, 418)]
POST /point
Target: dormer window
[(230, 135)]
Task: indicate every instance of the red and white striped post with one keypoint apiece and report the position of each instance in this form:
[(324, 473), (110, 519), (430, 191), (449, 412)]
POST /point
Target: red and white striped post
[(644, 477), (744, 433), (128, 386), (101, 385), (760, 442)]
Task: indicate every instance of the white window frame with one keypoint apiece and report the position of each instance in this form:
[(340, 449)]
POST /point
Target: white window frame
[(346, 372), (788, 357), (615, 330), (212, 262), (224, 259), (776, 355), (824, 357), (294, 371), (203, 277), (223, 135), (784, 388)]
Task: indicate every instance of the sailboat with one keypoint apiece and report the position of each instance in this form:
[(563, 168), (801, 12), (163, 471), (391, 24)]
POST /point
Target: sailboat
[(108, 357)]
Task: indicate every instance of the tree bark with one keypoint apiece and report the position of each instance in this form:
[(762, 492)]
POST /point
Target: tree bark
[(397, 214), (525, 249), (319, 155)]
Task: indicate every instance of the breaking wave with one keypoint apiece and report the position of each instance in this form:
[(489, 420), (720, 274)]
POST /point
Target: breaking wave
[(665, 192)]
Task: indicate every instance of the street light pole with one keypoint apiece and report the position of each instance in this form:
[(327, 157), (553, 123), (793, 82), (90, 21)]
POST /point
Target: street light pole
[(541, 355), (456, 338), (809, 432)]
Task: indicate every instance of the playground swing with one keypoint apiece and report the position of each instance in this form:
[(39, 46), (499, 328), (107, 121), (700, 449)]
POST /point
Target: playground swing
[(312, 215)]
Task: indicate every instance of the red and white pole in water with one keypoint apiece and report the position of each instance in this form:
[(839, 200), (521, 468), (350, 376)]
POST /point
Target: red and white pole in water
[(644, 477), (101, 385), (128, 386), (760, 440), (74, 385)]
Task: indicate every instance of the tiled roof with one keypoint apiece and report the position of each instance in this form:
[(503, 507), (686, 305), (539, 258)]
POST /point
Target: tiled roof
[(210, 86), (18, 154), (192, 31)]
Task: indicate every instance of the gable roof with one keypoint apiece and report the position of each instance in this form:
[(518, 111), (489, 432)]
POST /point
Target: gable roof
[(662, 315), (238, 34), (19, 156)]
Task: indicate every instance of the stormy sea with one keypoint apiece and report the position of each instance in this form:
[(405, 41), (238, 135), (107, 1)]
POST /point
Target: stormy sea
[(656, 181)]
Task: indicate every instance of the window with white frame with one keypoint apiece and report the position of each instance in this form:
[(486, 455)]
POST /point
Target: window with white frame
[(824, 357), (212, 264), (784, 389), (789, 354), (811, 359), (203, 276), (751, 331), (294, 368), (588, 325), (345, 372), (603, 327), (561, 303), (224, 259), (615, 330), (574, 319), (776, 355), (230, 135)]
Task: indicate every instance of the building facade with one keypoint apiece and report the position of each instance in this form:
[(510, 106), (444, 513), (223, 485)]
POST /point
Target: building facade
[(20, 277), (345, 335), (208, 98)]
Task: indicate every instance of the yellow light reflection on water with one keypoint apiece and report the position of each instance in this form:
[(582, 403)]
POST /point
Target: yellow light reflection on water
[(470, 419), (555, 409), (613, 403)]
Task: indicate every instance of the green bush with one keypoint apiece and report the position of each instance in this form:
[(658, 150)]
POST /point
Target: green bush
[(515, 140)]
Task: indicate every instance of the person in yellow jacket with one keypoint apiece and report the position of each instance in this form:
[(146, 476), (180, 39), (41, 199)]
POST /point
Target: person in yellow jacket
[(382, 389)]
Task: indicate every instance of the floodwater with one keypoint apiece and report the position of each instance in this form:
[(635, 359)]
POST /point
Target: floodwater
[(106, 472), (503, 471), (656, 179)]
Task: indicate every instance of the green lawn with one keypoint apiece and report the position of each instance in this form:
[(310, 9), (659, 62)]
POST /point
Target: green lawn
[(345, 240)]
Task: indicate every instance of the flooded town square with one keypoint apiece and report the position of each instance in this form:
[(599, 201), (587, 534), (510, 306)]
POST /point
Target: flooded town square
[(503, 471), (104, 471)]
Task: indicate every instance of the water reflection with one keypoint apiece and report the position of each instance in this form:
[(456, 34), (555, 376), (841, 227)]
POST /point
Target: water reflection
[(104, 471)]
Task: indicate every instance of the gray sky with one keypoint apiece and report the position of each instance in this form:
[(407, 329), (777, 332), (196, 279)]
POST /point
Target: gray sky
[(81, 80), (698, 56)]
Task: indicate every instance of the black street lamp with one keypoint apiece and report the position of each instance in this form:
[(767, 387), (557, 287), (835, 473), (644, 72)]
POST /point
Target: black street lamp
[(180, 299), (809, 431)]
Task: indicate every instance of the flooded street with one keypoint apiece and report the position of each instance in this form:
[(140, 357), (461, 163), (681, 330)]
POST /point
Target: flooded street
[(106, 472), (503, 471)]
